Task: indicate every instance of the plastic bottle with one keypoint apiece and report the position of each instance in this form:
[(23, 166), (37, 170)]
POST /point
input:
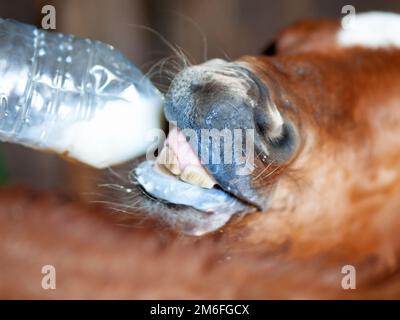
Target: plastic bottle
[(74, 96)]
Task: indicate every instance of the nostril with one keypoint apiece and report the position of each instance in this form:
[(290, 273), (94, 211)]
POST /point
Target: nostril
[(261, 122), (195, 87), (200, 88), (281, 147)]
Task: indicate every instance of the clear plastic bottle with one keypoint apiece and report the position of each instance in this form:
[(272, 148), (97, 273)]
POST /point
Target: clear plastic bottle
[(73, 96)]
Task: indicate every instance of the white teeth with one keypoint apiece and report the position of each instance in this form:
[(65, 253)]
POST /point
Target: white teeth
[(195, 175), (169, 160)]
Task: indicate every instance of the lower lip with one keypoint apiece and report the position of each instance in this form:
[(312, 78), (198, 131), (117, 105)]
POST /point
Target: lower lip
[(170, 189)]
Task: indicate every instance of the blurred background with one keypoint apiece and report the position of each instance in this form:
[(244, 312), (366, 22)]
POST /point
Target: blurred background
[(231, 28)]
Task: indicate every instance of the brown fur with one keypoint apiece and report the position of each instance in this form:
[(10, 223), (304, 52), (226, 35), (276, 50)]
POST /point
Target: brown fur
[(336, 204), (98, 255)]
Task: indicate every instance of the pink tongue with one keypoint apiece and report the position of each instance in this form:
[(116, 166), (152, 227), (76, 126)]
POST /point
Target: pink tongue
[(176, 140)]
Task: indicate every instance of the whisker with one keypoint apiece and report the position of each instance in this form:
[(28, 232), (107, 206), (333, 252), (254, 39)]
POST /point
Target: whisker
[(158, 34), (177, 62), (264, 177), (197, 27), (265, 169), (184, 57), (149, 73), (226, 56)]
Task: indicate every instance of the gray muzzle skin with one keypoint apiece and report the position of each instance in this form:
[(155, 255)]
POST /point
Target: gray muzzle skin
[(228, 97)]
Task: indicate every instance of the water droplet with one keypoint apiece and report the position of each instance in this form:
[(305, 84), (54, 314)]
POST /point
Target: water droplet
[(42, 52), (59, 59), (87, 50), (68, 75), (6, 114), (70, 47), (35, 32), (61, 47), (68, 59), (27, 120), (60, 35), (128, 190)]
